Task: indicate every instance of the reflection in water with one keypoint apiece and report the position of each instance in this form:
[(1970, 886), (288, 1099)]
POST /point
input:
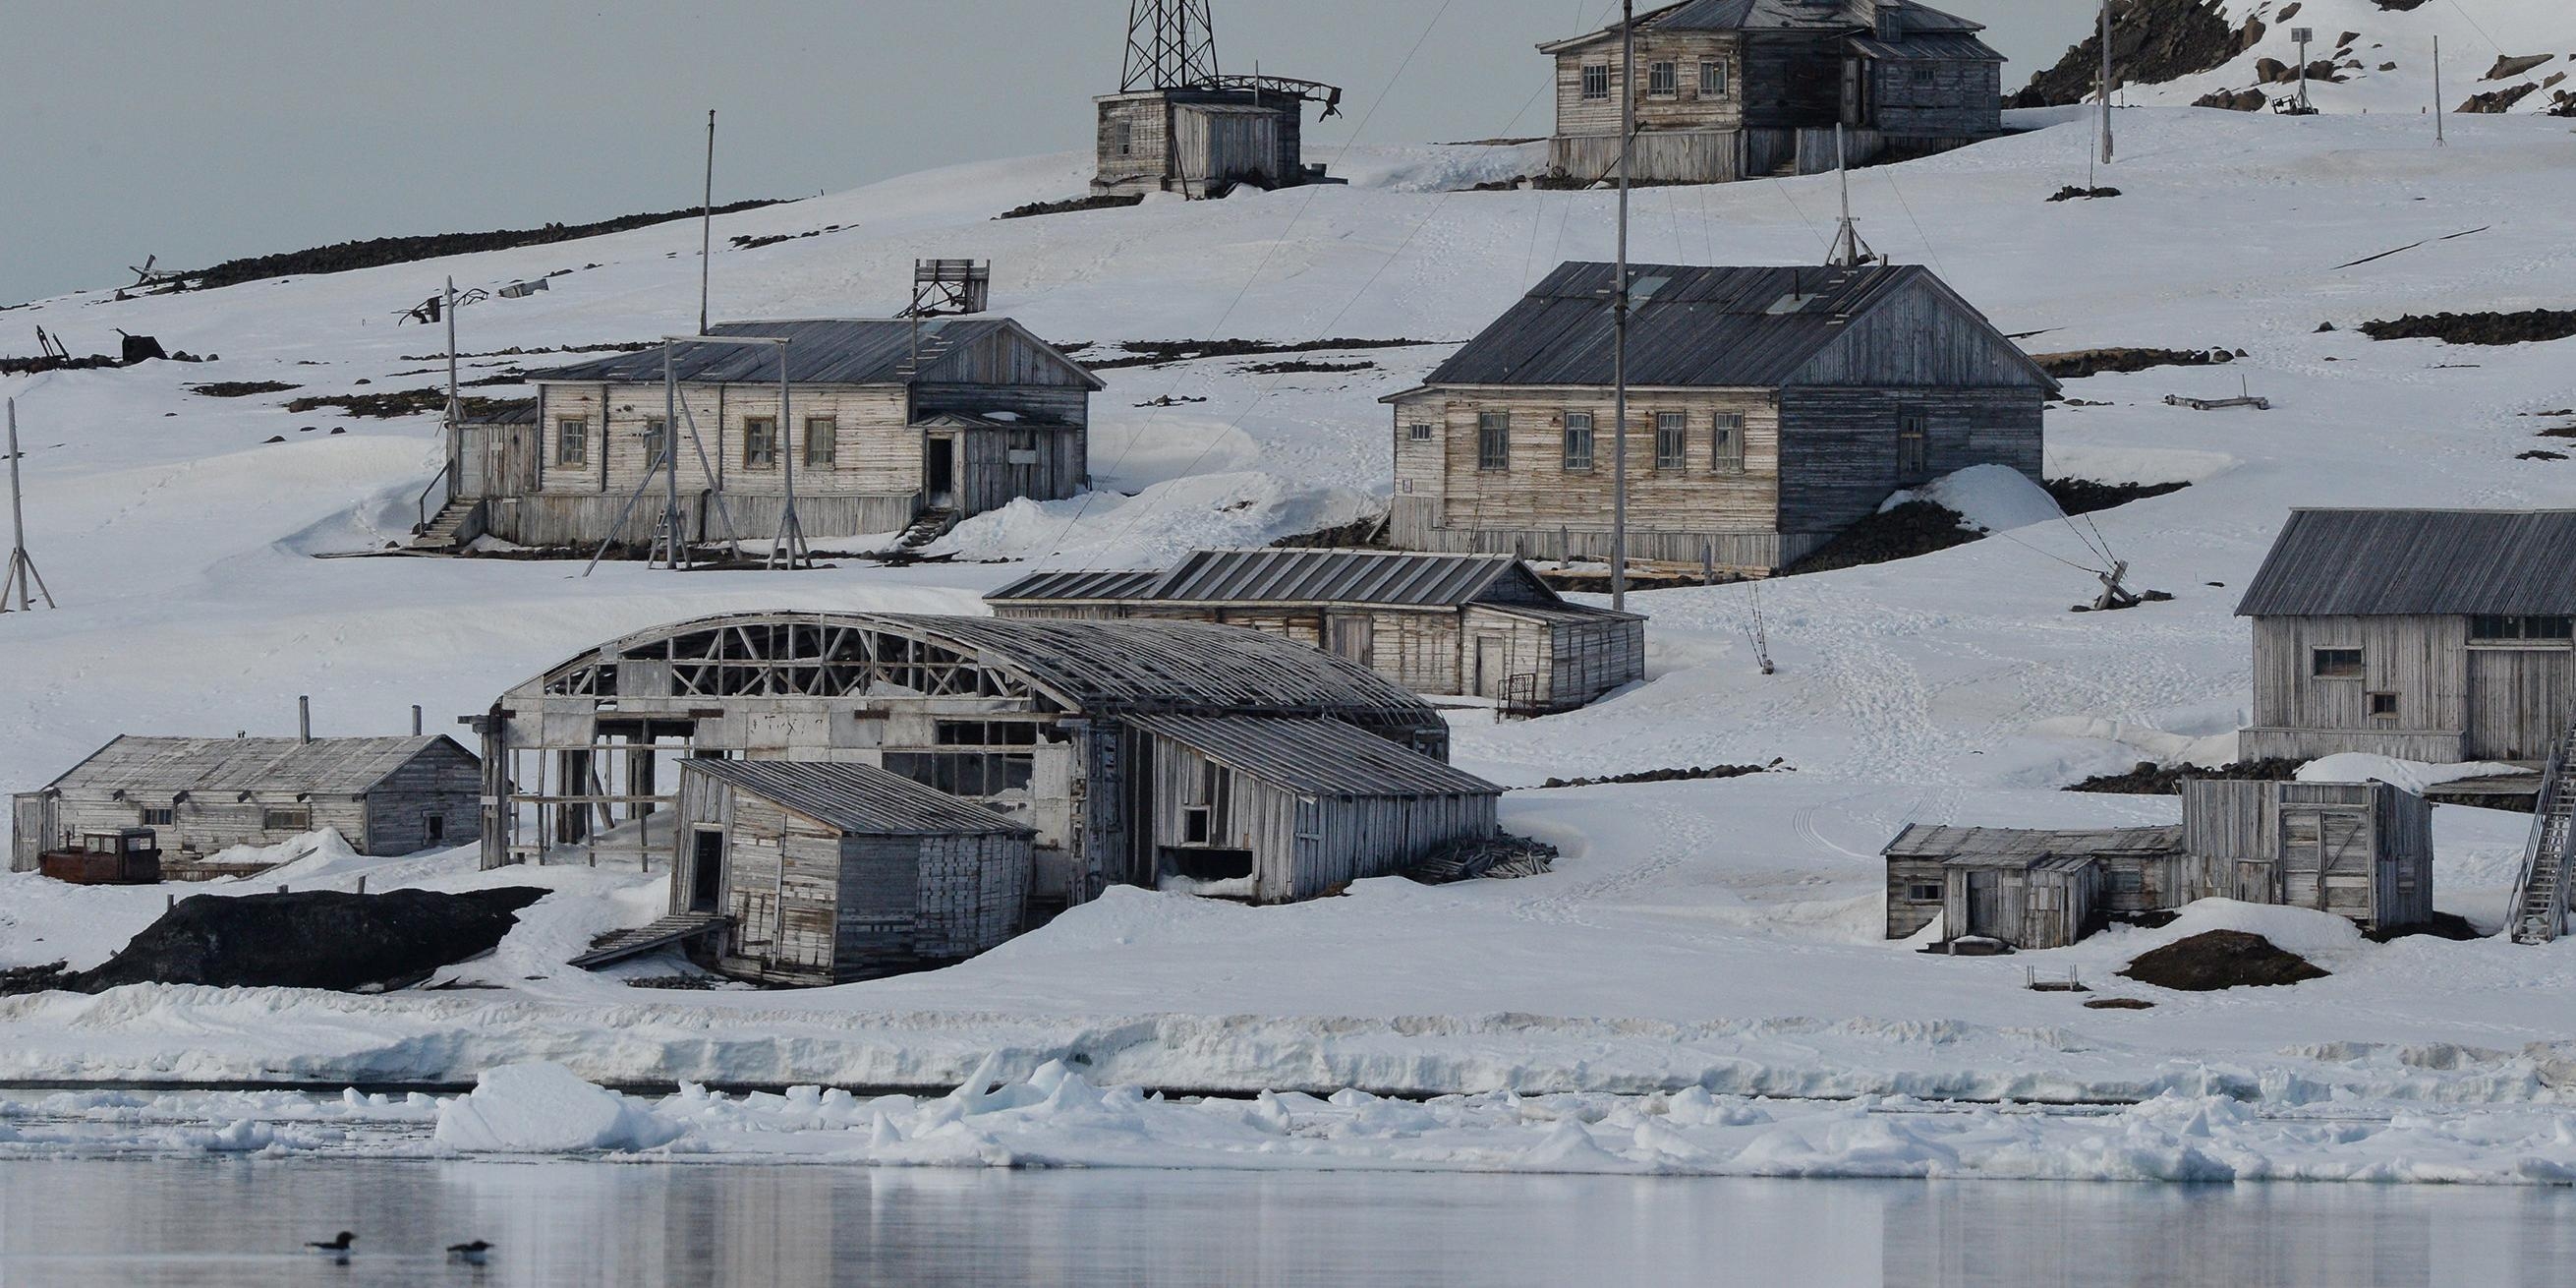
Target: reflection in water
[(232, 1221)]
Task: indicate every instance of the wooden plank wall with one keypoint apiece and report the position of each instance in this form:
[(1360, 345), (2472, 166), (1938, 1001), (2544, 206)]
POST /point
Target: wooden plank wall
[(877, 450), (885, 882), (217, 822), (443, 782), (1148, 117), (1920, 337), (973, 894), (1303, 847), (1669, 156), (1907, 915), (1838, 447), (2423, 660), (1686, 109), (1588, 659), (1962, 99)]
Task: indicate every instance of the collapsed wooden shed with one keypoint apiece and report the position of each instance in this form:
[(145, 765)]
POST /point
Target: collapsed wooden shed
[(1277, 810), (1482, 625), (2030, 888), (827, 873), (385, 796)]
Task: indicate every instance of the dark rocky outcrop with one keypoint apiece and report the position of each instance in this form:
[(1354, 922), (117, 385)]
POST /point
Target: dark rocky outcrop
[(2152, 42), (2530, 326), (1904, 532), (380, 251), (2080, 363), (2495, 102), (2152, 779), (2508, 66), (320, 939), (2221, 959)]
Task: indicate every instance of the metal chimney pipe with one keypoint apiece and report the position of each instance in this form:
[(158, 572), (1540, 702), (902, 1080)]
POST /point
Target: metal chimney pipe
[(304, 718), (415, 720)]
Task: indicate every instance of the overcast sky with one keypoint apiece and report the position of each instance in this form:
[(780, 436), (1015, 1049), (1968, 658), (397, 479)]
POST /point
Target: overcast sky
[(199, 131)]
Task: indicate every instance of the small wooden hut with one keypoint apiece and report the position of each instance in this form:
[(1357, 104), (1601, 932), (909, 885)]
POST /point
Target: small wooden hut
[(1277, 810), (2432, 635), (2358, 850), (1483, 625), (385, 796), (836, 872), (2029, 888)]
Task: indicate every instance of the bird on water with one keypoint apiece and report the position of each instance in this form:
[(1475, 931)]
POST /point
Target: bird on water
[(472, 1254), (337, 1248)]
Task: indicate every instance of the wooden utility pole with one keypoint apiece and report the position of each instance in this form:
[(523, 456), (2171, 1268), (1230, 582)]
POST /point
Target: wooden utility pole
[(2438, 140), (707, 228), (790, 544), (455, 404), (22, 577), (2106, 82), (1619, 313)]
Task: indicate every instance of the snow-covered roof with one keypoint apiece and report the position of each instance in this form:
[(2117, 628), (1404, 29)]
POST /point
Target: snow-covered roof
[(857, 798), (324, 766), (2394, 563), (1316, 757)]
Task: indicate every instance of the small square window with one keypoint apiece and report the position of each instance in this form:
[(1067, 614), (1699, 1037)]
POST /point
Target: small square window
[(2129, 882), (1712, 80), (1923, 893), (1663, 80), (759, 442), (286, 820), (2338, 664), (1726, 443), (1126, 134), (1923, 73), (159, 817), (434, 828), (1196, 826), (1596, 80), (572, 441), (1419, 432), (2383, 706)]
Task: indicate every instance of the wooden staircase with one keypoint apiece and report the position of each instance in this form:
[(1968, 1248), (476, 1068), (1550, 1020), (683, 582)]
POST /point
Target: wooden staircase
[(2540, 898), (444, 528), (678, 928), (931, 526)]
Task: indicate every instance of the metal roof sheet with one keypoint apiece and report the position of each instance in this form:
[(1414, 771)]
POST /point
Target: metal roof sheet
[(1958, 47), (1700, 327), (825, 351), (1941, 841), (1077, 584), (324, 766), (1316, 757), (1391, 578), (1781, 15), (2381, 563), (857, 798)]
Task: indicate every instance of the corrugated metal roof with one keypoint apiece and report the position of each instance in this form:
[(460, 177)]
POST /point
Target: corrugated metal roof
[(324, 766), (1699, 327), (2381, 563), (1078, 584), (857, 798), (2024, 862), (1400, 578), (1316, 757), (1958, 47), (1940, 841), (826, 351), (1780, 15)]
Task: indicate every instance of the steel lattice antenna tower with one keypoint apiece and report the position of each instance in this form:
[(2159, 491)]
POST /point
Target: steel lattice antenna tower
[(1171, 44)]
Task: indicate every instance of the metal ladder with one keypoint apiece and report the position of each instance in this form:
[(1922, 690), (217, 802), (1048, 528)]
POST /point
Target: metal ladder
[(2540, 897)]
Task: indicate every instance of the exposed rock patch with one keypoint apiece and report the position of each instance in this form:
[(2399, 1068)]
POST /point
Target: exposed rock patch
[(2221, 959), (2080, 363), (2152, 41), (2152, 779), (2530, 326), (320, 939)]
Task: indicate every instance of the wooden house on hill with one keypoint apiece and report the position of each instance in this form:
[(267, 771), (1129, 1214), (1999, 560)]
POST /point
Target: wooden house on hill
[(1038, 721), (1769, 409), (1741, 89), (826, 873), (386, 796), (1179, 124), (1275, 811), (2359, 850), (1441, 624), (897, 421), (2429, 635)]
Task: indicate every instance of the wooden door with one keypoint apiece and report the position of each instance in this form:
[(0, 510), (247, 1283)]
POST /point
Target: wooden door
[(32, 829), (1855, 92), (1986, 907), (1353, 639), (1493, 665), (939, 473), (2519, 702), (706, 871), (2326, 860)]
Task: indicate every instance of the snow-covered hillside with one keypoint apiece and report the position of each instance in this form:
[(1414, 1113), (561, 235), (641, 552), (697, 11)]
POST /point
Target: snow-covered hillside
[(2511, 56), (1717, 930)]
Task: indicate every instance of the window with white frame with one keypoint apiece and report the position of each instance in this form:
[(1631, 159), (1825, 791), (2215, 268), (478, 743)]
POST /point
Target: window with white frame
[(572, 441), (1672, 440), (1712, 80), (1419, 431), (759, 442), (1726, 443), (1493, 440), (822, 441), (1663, 80), (1596, 81), (1578, 442)]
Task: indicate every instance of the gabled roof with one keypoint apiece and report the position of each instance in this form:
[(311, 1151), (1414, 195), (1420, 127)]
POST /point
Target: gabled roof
[(1391, 578), (826, 351), (1316, 757), (858, 798), (1777, 15), (1692, 326), (2385, 563), (1936, 841), (322, 767)]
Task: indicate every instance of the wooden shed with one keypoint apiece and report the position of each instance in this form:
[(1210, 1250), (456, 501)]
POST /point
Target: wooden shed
[(1278, 810), (894, 422), (2358, 850), (834, 872), (385, 796), (1769, 410), (1032, 719), (1482, 625), (2023, 886), (1745, 89), (2432, 635)]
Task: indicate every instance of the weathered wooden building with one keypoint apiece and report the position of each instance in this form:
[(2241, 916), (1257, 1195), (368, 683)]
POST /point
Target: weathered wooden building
[(1769, 409), (1277, 810), (2358, 850), (2028, 888), (896, 421), (2363, 851), (386, 796), (1739, 89), (2430, 635), (1179, 124), (1435, 623), (827, 873), (1035, 720)]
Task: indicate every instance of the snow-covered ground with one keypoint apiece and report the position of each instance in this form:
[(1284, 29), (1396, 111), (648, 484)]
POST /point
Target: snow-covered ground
[(1715, 933), (2386, 65)]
